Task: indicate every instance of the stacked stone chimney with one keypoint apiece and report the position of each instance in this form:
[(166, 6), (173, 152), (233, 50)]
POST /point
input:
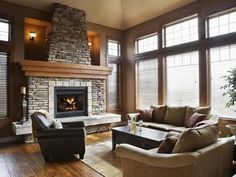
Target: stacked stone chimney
[(68, 42)]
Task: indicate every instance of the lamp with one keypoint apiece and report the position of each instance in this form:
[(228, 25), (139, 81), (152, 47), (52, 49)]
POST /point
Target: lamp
[(89, 43), (32, 35)]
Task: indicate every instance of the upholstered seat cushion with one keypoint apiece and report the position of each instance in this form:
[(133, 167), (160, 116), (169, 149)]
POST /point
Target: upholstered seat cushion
[(175, 115), (196, 138)]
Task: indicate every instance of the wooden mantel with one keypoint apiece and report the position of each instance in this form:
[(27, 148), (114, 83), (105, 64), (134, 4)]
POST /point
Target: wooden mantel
[(52, 69)]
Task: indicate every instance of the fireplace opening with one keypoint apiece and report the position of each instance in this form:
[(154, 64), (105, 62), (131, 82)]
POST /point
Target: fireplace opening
[(70, 101)]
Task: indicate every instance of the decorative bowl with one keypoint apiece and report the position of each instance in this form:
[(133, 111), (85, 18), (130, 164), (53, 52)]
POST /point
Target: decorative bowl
[(232, 128)]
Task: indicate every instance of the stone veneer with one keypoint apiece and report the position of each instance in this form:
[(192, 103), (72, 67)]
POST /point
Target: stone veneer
[(68, 41), (41, 93)]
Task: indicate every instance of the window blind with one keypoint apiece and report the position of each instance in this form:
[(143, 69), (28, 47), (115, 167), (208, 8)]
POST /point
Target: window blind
[(3, 84), (147, 87)]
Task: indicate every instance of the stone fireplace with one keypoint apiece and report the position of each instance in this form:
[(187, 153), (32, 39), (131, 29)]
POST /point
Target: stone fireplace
[(69, 68), (70, 101)]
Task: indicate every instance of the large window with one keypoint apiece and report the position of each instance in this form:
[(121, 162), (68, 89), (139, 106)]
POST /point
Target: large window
[(146, 87), (3, 85), (183, 79), (146, 43), (114, 87), (181, 32), (222, 59), (113, 53), (222, 24), (4, 30)]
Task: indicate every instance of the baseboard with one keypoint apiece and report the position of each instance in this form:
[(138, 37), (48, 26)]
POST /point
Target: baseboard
[(10, 139)]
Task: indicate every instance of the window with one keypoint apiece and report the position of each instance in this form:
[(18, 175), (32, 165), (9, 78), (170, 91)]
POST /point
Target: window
[(114, 88), (113, 58), (222, 24), (183, 79), (113, 48), (4, 30), (147, 88), (146, 43), (3, 85), (222, 59), (181, 32)]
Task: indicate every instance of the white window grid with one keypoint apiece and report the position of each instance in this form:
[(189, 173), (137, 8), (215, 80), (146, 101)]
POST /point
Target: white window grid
[(222, 24), (113, 48), (181, 32), (147, 43)]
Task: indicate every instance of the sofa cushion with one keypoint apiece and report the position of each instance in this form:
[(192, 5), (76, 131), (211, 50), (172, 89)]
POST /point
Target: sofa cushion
[(145, 115), (196, 138), (175, 115), (168, 144), (194, 119), (159, 113), (201, 110), (154, 125)]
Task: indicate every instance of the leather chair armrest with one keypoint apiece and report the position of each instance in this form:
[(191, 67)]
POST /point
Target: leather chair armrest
[(130, 152), (60, 133), (73, 124)]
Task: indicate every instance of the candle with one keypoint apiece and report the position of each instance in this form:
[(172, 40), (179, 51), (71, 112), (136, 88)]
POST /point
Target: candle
[(23, 90)]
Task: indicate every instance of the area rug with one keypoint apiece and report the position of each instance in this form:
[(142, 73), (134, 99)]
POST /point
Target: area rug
[(102, 159)]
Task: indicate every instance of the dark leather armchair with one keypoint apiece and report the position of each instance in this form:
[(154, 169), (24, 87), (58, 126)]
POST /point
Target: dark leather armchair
[(53, 142)]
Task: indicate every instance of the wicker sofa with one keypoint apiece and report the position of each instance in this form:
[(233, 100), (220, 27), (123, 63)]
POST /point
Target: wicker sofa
[(169, 118), (197, 153)]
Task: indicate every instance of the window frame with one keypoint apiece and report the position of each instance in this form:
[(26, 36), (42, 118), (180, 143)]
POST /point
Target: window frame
[(190, 17), (145, 37), (111, 59), (214, 15)]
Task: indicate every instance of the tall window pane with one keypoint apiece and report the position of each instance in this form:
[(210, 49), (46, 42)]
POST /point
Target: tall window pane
[(114, 87), (181, 32), (3, 84), (147, 88), (146, 43), (222, 59), (183, 79), (222, 24), (4, 30)]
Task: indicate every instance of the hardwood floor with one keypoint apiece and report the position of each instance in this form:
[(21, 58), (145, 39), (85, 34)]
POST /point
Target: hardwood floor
[(25, 160)]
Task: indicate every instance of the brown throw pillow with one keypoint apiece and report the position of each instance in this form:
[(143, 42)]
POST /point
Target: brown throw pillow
[(145, 115), (168, 144), (194, 119), (195, 138)]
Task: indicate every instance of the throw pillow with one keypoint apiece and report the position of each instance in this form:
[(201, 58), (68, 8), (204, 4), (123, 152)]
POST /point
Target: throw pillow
[(145, 115), (175, 115), (194, 119), (57, 124), (168, 144), (195, 138), (159, 112), (201, 110)]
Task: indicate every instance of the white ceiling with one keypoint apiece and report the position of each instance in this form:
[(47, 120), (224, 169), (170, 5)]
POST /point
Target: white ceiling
[(119, 14)]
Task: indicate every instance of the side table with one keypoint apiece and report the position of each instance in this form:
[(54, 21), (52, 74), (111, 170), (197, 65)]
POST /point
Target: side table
[(24, 129)]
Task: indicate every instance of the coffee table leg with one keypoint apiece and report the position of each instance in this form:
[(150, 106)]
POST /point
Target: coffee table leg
[(113, 140)]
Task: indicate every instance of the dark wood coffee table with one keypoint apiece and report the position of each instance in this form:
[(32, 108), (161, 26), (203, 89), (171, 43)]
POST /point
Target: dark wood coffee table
[(145, 139)]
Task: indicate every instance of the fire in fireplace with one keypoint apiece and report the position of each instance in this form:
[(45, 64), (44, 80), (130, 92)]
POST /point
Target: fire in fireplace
[(70, 101)]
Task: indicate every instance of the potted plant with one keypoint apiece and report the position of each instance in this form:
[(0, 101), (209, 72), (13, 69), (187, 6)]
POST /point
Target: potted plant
[(230, 90), (230, 87)]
